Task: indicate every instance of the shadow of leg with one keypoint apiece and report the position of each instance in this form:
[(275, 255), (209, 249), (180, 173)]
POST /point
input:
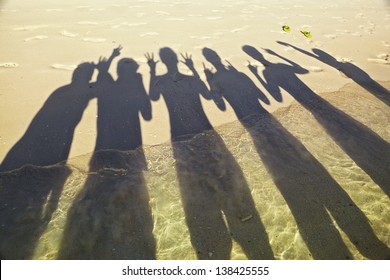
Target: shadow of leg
[(111, 217)]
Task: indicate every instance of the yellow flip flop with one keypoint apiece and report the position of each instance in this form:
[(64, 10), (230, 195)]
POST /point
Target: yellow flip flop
[(286, 28), (306, 33)]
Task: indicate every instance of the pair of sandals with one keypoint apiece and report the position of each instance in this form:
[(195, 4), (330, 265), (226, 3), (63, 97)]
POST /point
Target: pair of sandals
[(306, 33)]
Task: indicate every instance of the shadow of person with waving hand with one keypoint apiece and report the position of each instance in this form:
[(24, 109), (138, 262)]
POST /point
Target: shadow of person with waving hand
[(111, 217), (350, 71), (212, 185), (307, 187), (34, 171), (366, 148), (119, 104), (49, 137)]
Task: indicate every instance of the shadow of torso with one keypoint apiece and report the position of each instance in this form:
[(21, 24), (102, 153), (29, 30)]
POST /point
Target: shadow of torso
[(238, 90), (181, 96), (49, 136), (119, 104)]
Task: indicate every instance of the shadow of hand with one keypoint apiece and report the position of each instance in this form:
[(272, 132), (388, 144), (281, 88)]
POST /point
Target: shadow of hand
[(187, 60), (208, 72), (284, 44), (270, 51), (102, 65), (117, 51), (151, 62), (252, 68), (218, 100)]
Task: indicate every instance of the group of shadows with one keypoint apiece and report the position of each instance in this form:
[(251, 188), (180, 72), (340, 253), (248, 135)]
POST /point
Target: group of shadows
[(111, 218)]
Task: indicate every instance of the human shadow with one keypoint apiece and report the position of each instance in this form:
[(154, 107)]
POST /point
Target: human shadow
[(119, 104), (111, 217), (28, 198), (212, 185), (30, 182), (49, 136), (366, 148), (349, 70), (311, 193)]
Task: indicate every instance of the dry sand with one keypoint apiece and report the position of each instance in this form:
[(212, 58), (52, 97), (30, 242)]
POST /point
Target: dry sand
[(42, 42)]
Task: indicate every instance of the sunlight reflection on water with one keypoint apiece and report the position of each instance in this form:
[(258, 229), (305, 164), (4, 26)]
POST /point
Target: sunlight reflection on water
[(110, 214)]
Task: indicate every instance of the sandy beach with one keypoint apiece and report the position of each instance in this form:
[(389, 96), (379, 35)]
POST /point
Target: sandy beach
[(44, 41), (287, 106)]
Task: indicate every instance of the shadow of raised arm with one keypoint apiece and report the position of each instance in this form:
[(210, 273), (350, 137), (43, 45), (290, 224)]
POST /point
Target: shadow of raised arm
[(215, 93), (271, 87), (153, 92), (103, 65), (297, 49), (297, 68)]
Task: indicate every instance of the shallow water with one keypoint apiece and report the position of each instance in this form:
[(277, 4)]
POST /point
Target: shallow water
[(280, 186)]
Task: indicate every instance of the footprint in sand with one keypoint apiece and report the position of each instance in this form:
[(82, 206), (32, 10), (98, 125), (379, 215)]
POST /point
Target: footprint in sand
[(63, 67), (162, 13), (240, 29), (53, 10), (69, 34), (87, 23), (288, 49), (386, 44), (308, 16), (331, 36), (119, 5), (360, 15), (343, 59), (29, 27), (213, 18), (199, 47), (149, 34), (343, 31), (382, 58), (9, 10), (127, 24), (8, 65), (315, 69), (175, 19), (95, 40), (379, 61), (39, 37)]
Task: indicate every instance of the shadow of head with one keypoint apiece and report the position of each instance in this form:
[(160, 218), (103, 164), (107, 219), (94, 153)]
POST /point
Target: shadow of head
[(126, 66), (168, 56), (83, 73), (325, 57), (211, 56), (254, 53)]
